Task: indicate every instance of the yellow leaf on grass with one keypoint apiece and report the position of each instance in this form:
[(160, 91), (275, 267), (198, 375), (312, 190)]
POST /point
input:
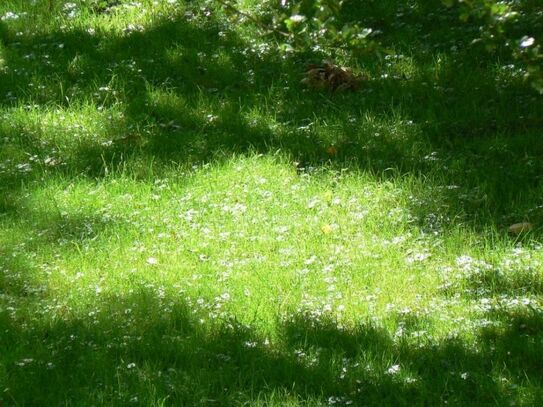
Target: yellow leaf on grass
[(327, 229)]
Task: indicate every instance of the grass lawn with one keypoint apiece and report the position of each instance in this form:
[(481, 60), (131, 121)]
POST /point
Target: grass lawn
[(183, 223)]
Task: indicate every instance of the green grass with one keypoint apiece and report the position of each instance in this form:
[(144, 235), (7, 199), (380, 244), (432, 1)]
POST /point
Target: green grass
[(174, 231)]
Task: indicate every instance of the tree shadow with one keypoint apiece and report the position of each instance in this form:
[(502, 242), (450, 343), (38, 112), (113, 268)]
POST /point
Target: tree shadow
[(146, 349), (20, 278), (523, 281), (192, 90)]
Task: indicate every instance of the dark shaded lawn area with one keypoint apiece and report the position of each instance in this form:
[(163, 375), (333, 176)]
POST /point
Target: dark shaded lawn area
[(161, 348)]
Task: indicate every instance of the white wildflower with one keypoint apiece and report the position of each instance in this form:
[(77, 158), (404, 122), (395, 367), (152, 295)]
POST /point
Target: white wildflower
[(394, 369)]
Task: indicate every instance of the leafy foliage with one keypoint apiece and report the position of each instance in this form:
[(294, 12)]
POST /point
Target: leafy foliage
[(315, 25), (501, 23), (318, 26)]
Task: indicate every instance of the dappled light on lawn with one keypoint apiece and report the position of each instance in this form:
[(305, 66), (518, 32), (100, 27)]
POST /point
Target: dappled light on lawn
[(193, 214)]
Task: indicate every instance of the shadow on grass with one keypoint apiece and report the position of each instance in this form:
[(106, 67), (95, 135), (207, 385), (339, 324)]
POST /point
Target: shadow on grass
[(150, 349), (19, 276), (191, 90), (525, 280)]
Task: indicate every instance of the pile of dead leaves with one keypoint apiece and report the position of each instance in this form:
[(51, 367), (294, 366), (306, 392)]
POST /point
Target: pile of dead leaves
[(332, 77)]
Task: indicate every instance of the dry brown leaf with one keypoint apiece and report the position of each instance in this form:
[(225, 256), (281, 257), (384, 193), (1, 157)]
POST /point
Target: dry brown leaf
[(331, 76), (332, 150)]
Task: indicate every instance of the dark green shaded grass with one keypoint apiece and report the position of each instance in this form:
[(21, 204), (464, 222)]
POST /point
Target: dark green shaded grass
[(117, 354)]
